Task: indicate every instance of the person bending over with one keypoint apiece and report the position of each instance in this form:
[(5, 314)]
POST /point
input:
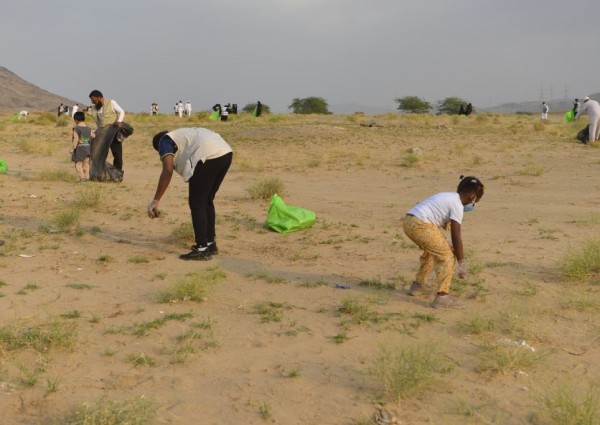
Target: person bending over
[(202, 158)]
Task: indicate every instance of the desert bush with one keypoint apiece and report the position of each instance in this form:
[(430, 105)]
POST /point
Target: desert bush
[(412, 158), (582, 264), (193, 287), (58, 175), (67, 219), (40, 337), (266, 188), (89, 197), (36, 147), (131, 411), (408, 371), (184, 232), (564, 406)]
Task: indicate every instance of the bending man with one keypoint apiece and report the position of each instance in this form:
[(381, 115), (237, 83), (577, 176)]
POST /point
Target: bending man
[(202, 158), (593, 110)]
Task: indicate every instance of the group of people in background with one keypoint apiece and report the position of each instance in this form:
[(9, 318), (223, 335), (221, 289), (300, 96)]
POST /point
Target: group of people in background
[(222, 111)]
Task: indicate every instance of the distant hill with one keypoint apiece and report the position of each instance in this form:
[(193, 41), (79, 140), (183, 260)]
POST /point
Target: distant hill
[(16, 94), (555, 105)]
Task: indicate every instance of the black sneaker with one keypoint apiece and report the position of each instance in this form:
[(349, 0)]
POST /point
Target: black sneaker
[(196, 254), (212, 249)]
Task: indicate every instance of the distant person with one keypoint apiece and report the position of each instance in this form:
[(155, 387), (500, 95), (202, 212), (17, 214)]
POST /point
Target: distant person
[(80, 152), (545, 110), (216, 113), (180, 109), (109, 117), (188, 108), (461, 110), (575, 106), (234, 108), (423, 224), (469, 109), (258, 109), (202, 158), (224, 113), (60, 110), (74, 110), (154, 109), (65, 110), (592, 108)]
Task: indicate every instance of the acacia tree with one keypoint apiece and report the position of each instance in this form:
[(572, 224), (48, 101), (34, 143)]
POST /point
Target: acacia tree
[(413, 105), (309, 105), (451, 105)]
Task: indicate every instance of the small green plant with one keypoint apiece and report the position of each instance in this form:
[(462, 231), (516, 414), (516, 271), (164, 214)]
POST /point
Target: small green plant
[(73, 314), (270, 311), (499, 358), (266, 188), (31, 286), (582, 264), (105, 258), (532, 170), (138, 259), (408, 371), (89, 197), (79, 286), (377, 284), (267, 277), (143, 329), (52, 386), (193, 287), (360, 313), (58, 175), (566, 406), (411, 159), (40, 337), (264, 410), (67, 219), (340, 338), (184, 232), (131, 411), (476, 325), (141, 359), (313, 284)]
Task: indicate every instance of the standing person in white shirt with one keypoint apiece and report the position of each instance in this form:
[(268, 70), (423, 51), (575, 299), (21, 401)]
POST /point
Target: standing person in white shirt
[(423, 224), (188, 108), (545, 110), (180, 109), (74, 110), (109, 117)]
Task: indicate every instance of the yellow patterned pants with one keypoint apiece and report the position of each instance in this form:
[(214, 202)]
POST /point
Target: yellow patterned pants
[(437, 251)]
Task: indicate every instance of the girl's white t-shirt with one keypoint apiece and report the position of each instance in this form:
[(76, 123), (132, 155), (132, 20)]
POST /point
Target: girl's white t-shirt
[(439, 209)]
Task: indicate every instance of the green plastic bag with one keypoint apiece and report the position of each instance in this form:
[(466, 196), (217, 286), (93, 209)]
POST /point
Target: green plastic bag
[(3, 166), (569, 116), (214, 116), (284, 219)]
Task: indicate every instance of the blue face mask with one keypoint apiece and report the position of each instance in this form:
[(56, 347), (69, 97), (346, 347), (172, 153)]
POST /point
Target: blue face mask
[(469, 207)]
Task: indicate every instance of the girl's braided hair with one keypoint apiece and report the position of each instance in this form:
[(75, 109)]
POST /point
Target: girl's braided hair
[(470, 184)]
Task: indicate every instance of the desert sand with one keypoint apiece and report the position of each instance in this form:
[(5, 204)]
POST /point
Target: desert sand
[(275, 339)]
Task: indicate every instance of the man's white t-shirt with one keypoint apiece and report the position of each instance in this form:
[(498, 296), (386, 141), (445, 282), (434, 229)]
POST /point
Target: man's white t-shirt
[(439, 209)]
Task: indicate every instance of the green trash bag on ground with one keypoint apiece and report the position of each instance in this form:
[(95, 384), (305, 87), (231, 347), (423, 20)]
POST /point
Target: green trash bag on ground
[(284, 218), (3, 166), (569, 116), (214, 115)]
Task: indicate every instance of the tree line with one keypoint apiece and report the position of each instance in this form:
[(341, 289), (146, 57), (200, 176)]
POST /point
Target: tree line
[(406, 104)]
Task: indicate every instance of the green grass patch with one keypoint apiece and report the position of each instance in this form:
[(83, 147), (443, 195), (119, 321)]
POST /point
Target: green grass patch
[(143, 329), (193, 287), (582, 264), (266, 188)]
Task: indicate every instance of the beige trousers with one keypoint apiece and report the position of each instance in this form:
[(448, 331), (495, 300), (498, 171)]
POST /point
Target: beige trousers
[(437, 251)]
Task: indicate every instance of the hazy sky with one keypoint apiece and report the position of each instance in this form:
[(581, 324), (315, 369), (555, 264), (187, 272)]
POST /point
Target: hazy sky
[(367, 52)]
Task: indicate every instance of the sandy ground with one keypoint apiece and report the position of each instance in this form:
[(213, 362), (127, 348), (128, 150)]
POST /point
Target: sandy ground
[(311, 361)]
